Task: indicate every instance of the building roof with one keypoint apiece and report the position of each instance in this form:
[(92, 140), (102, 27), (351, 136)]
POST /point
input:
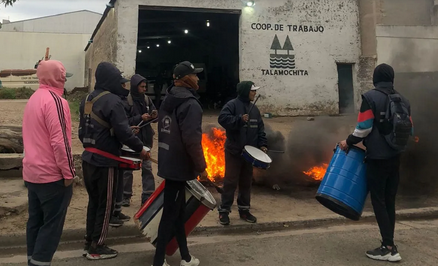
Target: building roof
[(61, 14)]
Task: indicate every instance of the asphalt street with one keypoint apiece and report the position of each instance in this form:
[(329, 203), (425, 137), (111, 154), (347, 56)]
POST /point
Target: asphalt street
[(334, 246)]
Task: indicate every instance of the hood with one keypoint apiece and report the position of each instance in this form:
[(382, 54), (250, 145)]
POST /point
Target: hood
[(383, 73), (243, 89), (176, 96), (109, 78), (52, 73), (135, 81)]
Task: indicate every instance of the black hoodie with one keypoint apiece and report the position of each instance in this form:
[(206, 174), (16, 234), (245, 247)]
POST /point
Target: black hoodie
[(180, 153), (111, 110), (238, 132), (139, 107)]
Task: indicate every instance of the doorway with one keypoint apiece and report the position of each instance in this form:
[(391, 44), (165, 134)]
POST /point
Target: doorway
[(346, 88)]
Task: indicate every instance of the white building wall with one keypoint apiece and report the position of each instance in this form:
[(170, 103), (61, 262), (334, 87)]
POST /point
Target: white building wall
[(74, 22), (408, 48), (24, 49), (310, 88)]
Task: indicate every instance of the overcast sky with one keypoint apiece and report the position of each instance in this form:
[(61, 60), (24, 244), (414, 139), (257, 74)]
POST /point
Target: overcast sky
[(26, 9)]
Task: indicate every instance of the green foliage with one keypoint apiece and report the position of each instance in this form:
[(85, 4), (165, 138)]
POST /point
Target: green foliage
[(15, 93)]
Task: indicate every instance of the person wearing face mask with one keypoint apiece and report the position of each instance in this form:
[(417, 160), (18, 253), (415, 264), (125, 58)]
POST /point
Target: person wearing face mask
[(242, 128), (180, 157), (103, 128)]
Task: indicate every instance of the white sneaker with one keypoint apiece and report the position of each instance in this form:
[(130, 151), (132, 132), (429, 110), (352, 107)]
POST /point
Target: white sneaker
[(193, 262)]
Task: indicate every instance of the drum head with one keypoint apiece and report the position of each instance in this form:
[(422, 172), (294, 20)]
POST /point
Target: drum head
[(126, 148), (258, 154), (135, 160), (146, 148), (201, 193)]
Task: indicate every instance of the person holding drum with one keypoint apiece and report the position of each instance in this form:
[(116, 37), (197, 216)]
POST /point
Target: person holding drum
[(244, 126), (376, 122), (180, 157), (142, 110), (103, 128)]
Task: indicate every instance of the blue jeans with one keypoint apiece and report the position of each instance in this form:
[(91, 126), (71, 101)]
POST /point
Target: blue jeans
[(48, 205), (147, 180)]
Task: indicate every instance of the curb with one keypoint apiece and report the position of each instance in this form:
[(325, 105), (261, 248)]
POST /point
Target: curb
[(131, 231)]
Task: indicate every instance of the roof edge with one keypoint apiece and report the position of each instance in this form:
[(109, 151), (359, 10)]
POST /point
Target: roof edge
[(109, 6), (49, 16)]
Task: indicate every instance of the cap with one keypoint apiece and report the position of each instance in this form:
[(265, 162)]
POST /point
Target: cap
[(124, 80), (185, 68), (68, 74), (254, 88)]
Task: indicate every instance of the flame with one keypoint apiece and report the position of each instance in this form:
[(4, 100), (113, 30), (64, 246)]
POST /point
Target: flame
[(317, 172), (417, 139), (213, 146)]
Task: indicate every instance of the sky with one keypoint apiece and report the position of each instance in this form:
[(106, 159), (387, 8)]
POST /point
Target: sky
[(27, 9)]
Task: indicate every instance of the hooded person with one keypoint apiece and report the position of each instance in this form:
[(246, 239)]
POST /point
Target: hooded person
[(103, 128), (242, 128), (382, 160), (48, 168), (180, 157), (141, 110)]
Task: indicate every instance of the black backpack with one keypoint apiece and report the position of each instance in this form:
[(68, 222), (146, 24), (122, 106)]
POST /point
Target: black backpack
[(397, 121)]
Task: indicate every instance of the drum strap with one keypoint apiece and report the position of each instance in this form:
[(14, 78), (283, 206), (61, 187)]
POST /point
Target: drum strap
[(109, 155), (88, 110)]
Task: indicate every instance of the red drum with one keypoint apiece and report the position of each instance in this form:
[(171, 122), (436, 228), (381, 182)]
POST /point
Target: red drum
[(199, 202), (134, 165)]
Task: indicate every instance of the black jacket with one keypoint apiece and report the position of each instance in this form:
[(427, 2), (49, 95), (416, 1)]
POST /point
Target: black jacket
[(110, 109), (180, 153), (238, 132), (139, 107)]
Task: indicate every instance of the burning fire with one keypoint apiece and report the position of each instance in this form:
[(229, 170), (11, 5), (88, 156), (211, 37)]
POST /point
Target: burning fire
[(317, 172), (214, 152), (417, 139)]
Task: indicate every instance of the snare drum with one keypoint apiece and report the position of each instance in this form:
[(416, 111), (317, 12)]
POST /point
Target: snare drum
[(127, 152), (256, 157), (135, 165), (199, 202)]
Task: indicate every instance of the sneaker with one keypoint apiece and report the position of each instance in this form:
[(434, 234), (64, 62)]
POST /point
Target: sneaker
[(115, 221), (224, 219), (384, 254), (123, 217), (126, 202), (86, 248), (193, 262), (247, 216), (101, 253)]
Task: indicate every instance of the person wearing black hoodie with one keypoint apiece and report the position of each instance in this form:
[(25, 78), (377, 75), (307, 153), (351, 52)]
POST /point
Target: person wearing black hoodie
[(382, 161), (242, 128), (180, 157), (141, 109), (103, 128)]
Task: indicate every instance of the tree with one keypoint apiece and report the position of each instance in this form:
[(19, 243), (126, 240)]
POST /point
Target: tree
[(276, 44), (8, 2), (288, 45)]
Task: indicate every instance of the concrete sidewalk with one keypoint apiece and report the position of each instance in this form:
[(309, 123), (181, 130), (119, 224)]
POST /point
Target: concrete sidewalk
[(274, 210)]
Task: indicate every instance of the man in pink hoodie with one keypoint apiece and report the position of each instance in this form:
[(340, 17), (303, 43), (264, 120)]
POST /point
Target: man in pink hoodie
[(48, 167)]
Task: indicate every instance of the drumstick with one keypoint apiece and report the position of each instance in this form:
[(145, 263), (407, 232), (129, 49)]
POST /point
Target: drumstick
[(218, 188), (250, 109)]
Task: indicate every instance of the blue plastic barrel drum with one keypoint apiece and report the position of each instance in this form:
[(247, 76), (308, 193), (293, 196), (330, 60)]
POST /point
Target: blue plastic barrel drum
[(344, 188)]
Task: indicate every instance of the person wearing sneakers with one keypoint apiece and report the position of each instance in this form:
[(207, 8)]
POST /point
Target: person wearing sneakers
[(242, 129), (141, 108), (180, 157), (385, 135), (103, 128), (48, 167)]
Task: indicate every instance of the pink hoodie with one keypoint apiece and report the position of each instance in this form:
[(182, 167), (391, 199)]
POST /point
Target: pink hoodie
[(47, 129)]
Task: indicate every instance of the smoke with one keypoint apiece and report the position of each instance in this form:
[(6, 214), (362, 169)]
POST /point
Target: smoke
[(308, 144)]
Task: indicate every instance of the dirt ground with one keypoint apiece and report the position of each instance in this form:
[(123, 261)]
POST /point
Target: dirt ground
[(305, 143)]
